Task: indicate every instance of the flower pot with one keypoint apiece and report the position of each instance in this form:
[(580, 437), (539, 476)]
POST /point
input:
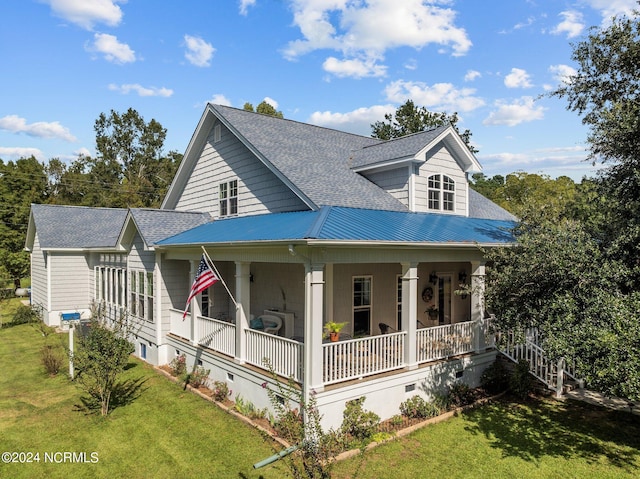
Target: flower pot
[(333, 336)]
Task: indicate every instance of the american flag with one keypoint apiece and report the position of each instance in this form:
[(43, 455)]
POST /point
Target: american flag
[(205, 277)]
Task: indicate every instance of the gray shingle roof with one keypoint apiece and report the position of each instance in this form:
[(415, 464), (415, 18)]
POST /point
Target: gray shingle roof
[(314, 159), (155, 225), (403, 147), (482, 207), (77, 226)]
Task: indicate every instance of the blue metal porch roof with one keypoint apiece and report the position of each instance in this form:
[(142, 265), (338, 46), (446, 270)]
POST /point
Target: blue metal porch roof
[(333, 223)]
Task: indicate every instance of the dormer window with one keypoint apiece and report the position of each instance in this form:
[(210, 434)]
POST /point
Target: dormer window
[(441, 193), (228, 197)]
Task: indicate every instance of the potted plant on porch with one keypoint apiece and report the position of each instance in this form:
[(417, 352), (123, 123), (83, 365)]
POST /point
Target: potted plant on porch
[(332, 329), (432, 311)]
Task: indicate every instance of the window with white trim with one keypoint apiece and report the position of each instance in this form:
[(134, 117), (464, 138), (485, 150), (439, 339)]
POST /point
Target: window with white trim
[(141, 294), (362, 305), (228, 198), (441, 193), (109, 286)]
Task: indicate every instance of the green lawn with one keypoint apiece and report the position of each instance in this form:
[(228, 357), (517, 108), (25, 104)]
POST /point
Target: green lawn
[(167, 432)]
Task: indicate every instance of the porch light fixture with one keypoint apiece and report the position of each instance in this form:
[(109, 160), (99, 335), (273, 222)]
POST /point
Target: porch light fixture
[(462, 276), (433, 277)]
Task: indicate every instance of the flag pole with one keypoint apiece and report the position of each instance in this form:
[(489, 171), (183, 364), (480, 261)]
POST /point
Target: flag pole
[(211, 263)]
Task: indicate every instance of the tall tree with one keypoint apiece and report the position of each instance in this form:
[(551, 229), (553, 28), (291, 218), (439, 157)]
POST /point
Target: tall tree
[(605, 91), (21, 183), (130, 161), (409, 118)]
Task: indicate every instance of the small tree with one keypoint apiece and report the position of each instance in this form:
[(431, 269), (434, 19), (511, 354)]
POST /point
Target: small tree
[(102, 354), (316, 449)]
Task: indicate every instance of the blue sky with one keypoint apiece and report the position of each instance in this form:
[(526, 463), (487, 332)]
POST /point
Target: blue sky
[(337, 63)]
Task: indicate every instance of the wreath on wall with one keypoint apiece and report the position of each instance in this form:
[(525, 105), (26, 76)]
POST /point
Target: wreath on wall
[(427, 294)]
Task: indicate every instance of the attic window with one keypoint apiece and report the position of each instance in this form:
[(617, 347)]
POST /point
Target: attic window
[(217, 133), (228, 197), (441, 191)]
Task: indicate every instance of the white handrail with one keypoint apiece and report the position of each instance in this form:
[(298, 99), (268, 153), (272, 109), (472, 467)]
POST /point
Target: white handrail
[(358, 358), (284, 355), (217, 335)]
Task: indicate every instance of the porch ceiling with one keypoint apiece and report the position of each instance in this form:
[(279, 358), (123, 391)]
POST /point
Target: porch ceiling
[(348, 224)]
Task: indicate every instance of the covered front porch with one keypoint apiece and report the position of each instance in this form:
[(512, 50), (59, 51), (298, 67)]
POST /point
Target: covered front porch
[(343, 360), (399, 316)]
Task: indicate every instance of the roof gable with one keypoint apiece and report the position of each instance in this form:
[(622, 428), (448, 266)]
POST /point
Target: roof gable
[(314, 162), (413, 147), (154, 225)]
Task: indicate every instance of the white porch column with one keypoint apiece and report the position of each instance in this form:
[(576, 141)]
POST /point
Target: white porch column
[(313, 324), (477, 302), (194, 306), (410, 312), (328, 292), (243, 298)]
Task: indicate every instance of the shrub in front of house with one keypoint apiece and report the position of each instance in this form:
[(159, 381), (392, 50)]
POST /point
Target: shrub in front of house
[(418, 408), (198, 377), (25, 314), (52, 359), (357, 422), (178, 365), (495, 378), (220, 391), (521, 383)]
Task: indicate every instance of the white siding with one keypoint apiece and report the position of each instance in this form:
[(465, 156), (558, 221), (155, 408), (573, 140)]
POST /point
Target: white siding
[(395, 182), (39, 284), (70, 274), (440, 161), (259, 190)]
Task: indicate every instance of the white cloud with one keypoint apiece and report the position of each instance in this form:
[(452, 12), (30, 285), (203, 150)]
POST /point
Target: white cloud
[(87, 13), (441, 97), (17, 152), (514, 113), (562, 73), (112, 49), (610, 8), (572, 25), (40, 129), (244, 6), (82, 152), (472, 75), (368, 29), (518, 78), (199, 52), (220, 99), (271, 102), (354, 68), (357, 121), (140, 90)]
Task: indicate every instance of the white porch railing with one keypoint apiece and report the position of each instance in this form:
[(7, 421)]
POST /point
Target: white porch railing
[(217, 335), (551, 373), (357, 358), (284, 355), (178, 326), (342, 360), (441, 342)]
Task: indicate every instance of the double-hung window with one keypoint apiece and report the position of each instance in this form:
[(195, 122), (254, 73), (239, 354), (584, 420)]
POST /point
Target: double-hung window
[(362, 305), (228, 197), (441, 193), (141, 294)]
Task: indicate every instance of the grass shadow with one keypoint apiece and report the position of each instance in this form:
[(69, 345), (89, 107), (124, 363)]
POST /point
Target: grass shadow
[(537, 428), (124, 393)]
